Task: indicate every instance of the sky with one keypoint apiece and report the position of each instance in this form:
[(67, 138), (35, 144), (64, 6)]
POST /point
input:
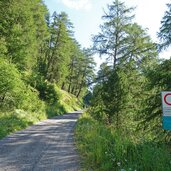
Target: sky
[(86, 16)]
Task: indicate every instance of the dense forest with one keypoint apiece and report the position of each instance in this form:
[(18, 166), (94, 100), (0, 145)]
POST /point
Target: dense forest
[(40, 60), (44, 71)]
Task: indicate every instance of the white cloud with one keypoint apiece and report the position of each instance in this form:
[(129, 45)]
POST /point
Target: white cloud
[(78, 4)]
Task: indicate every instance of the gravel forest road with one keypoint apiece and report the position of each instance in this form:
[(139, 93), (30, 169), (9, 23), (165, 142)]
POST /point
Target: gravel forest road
[(45, 146)]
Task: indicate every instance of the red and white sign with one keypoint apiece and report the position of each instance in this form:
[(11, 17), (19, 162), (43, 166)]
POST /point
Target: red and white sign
[(166, 103)]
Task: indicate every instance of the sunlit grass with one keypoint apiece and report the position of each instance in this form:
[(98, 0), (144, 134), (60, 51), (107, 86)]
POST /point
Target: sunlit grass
[(105, 149), (18, 119), (13, 121)]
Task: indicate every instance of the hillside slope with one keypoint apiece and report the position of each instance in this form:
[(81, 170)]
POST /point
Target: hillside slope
[(18, 119)]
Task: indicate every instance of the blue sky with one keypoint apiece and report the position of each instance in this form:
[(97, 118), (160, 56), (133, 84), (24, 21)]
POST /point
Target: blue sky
[(86, 16)]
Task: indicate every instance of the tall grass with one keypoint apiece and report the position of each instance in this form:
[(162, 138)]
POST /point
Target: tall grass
[(104, 149)]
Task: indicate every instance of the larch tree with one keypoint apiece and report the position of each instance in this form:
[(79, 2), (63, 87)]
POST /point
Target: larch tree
[(132, 52), (111, 40), (164, 33)]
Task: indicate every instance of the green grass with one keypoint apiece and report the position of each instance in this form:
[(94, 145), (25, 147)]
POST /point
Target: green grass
[(18, 119), (104, 149), (66, 103)]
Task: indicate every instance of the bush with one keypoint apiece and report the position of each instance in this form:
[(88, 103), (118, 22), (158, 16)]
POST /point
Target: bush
[(99, 114), (31, 102), (11, 86), (17, 120), (14, 94), (47, 91)]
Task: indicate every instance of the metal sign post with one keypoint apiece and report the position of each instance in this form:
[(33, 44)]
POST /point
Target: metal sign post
[(166, 106)]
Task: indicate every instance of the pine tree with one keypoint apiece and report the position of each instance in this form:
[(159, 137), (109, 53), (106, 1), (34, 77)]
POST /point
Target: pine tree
[(121, 86), (111, 40), (59, 48), (165, 29)]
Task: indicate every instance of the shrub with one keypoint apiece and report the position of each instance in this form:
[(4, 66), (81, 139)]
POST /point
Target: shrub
[(47, 91), (11, 86)]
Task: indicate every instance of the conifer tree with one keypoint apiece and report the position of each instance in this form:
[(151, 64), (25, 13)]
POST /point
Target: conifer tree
[(165, 29), (59, 48)]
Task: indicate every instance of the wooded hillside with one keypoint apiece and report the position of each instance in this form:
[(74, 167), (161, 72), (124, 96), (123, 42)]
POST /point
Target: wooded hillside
[(39, 56)]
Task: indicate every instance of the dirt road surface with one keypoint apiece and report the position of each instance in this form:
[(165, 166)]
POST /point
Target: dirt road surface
[(46, 146)]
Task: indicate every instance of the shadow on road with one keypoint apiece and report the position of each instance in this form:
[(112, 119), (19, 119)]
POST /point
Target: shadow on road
[(46, 146)]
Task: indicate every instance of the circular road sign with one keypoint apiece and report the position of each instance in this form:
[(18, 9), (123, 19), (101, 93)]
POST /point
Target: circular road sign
[(167, 99)]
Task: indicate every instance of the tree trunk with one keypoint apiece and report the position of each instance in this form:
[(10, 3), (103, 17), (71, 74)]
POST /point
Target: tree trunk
[(70, 79), (63, 86)]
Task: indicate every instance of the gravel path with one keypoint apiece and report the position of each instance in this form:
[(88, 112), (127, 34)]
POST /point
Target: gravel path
[(46, 146)]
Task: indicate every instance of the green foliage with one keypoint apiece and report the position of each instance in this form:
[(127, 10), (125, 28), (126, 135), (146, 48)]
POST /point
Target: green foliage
[(13, 91), (112, 40), (33, 110), (11, 86), (17, 120), (59, 51), (36, 52), (87, 98), (120, 98), (81, 71), (3, 48), (46, 89), (103, 148), (164, 33), (158, 80), (127, 98), (10, 123), (20, 29)]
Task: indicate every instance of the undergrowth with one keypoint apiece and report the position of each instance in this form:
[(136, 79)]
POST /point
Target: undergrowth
[(105, 149), (17, 119)]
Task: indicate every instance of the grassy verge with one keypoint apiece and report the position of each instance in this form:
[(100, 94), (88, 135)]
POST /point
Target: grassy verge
[(17, 120), (104, 149), (20, 119)]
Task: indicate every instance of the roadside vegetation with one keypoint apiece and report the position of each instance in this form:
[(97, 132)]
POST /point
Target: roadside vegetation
[(17, 119), (103, 148), (44, 71), (123, 128)]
